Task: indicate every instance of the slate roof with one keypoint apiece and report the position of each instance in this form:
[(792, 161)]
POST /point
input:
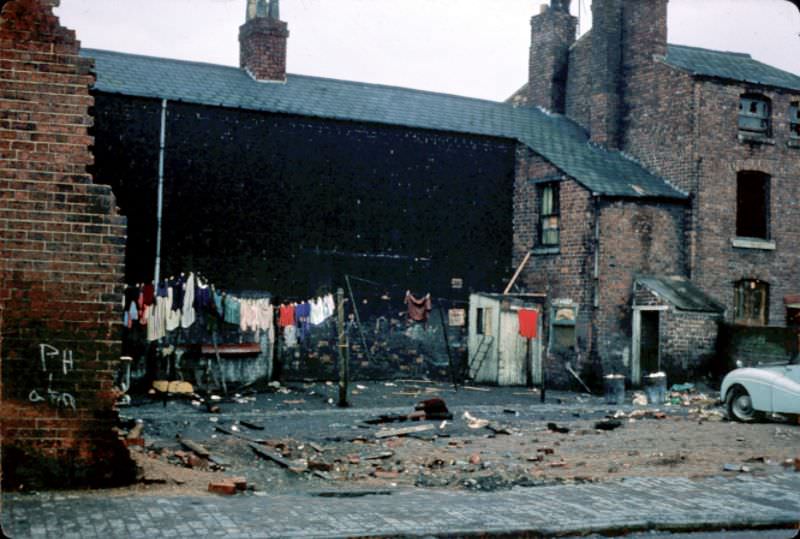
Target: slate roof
[(556, 138), (681, 293), (735, 66)]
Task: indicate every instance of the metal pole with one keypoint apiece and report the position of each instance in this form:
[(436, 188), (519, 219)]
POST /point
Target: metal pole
[(344, 346), (358, 318), (160, 206), (528, 364)]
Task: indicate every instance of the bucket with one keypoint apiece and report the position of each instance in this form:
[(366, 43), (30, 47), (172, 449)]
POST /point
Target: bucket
[(614, 385), (655, 387)]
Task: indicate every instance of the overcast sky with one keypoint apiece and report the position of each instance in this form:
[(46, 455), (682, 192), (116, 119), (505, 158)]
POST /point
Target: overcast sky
[(475, 48)]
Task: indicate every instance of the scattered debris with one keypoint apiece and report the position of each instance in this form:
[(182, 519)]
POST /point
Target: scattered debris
[(251, 425), (735, 468), (498, 429), (556, 428), (475, 459), (178, 387), (298, 466), (226, 487), (379, 456), (388, 433), (434, 408), (608, 424), (474, 422), (472, 388), (194, 446), (639, 399)]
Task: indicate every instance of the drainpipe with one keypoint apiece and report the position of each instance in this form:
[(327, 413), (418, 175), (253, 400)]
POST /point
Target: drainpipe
[(160, 206)]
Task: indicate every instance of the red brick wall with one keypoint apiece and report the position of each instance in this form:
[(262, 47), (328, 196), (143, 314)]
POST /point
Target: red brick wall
[(62, 244), (552, 33), (566, 274), (263, 48), (579, 81), (636, 238), (717, 265)]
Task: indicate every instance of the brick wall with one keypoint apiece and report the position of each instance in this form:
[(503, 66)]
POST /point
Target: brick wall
[(637, 238), (717, 265), (552, 33), (579, 81), (62, 247), (566, 274), (688, 344)]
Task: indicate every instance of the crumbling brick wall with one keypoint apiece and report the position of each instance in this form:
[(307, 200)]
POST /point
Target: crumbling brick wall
[(62, 246)]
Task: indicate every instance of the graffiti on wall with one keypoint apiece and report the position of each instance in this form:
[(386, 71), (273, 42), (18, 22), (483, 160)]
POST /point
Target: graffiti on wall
[(64, 363)]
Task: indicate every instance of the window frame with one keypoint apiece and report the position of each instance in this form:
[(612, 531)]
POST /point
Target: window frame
[(745, 204), (794, 120), (550, 215), (563, 323), (742, 304), (747, 117)]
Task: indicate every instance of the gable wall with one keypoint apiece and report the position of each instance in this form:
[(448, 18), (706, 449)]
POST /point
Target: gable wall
[(717, 264), (61, 247)]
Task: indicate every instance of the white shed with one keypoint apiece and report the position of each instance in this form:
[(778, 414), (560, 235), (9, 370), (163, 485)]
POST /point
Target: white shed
[(497, 352)]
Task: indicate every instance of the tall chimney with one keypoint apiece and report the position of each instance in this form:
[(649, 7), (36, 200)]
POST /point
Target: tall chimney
[(552, 34), (606, 72), (262, 41)]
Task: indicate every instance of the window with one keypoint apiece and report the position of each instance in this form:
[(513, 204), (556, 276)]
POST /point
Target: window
[(751, 302), (754, 115), (548, 214), (752, 205), (483, 321), (794, 120), (562, 330)]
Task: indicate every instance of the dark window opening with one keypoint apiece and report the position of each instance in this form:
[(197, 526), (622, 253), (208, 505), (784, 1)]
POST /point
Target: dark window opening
[(754, 115), (751, 303), (483, 321), (562, 329), (794, 120), (548, 214), (752, 205)]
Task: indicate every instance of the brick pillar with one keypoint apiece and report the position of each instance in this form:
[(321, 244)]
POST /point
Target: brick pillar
[(262, 48), (62, 246), (552, 34), (606, 72)]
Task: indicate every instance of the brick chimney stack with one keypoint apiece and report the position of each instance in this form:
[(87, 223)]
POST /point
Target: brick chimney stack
[(626, 35), (262, 41), (552, 34)]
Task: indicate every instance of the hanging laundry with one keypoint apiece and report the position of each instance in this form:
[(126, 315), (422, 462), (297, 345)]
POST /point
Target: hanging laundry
[(329, 306), (528, 323), (173, 318), (418, 309), (286, 315), (290, 336), (177, 293), (133, 314), (302, 313), (187, 312), (232, 310), (148, 294), (317, 314)]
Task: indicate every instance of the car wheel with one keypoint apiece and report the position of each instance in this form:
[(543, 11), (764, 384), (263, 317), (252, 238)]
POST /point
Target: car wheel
[(740, 406)]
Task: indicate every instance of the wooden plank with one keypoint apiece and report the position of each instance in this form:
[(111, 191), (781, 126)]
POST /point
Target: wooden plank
[(229, 432), (472, 388), (232, 349), (197, 448), (274, 457), (251, 425), (387, 433)]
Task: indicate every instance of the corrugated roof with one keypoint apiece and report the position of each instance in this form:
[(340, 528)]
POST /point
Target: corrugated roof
[(729, 65), (554, 137), (681, 293)]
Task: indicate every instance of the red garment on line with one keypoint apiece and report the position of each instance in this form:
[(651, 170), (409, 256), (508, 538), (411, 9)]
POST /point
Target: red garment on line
[(418, 309), (528, 322), (286, 316)]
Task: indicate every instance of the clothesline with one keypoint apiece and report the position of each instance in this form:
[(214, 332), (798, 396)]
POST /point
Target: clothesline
[(396, 287)]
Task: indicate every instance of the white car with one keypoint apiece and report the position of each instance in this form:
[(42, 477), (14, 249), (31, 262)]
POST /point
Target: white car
[(752, 392)]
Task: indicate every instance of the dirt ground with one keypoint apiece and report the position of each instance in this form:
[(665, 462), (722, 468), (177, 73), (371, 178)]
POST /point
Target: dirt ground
[(324, 451)]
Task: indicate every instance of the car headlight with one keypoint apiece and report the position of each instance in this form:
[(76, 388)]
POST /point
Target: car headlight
[(739, 364)]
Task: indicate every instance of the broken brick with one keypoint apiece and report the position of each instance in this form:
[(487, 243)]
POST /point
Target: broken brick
[(226, 487), (239, 482)]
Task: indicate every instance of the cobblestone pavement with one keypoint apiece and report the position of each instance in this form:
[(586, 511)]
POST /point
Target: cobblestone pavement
[(633, 504)]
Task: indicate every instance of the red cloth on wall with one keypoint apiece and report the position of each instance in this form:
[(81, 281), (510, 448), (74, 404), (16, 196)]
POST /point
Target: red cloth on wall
[(528, 322)]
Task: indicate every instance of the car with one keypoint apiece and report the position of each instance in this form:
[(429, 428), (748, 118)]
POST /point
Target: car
[(752, 392)]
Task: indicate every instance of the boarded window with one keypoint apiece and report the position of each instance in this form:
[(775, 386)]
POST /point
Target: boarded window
[(794, 120), (548, 214), (751, 303), (752, 205), (562, 329), (754, 114)]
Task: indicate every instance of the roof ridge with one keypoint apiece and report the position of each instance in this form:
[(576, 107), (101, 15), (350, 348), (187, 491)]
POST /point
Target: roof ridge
[(714, 51), (89, 50)]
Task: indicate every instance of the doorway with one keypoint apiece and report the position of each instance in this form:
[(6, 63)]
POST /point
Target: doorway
[(646, 345)]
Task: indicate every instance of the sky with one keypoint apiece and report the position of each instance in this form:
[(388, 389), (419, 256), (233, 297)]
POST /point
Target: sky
[(476, 48)]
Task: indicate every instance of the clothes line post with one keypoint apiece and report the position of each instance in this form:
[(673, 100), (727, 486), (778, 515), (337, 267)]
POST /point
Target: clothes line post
[(344, 349)]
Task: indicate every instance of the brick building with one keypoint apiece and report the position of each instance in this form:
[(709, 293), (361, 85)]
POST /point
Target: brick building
[(61, 264), (645, 277)]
